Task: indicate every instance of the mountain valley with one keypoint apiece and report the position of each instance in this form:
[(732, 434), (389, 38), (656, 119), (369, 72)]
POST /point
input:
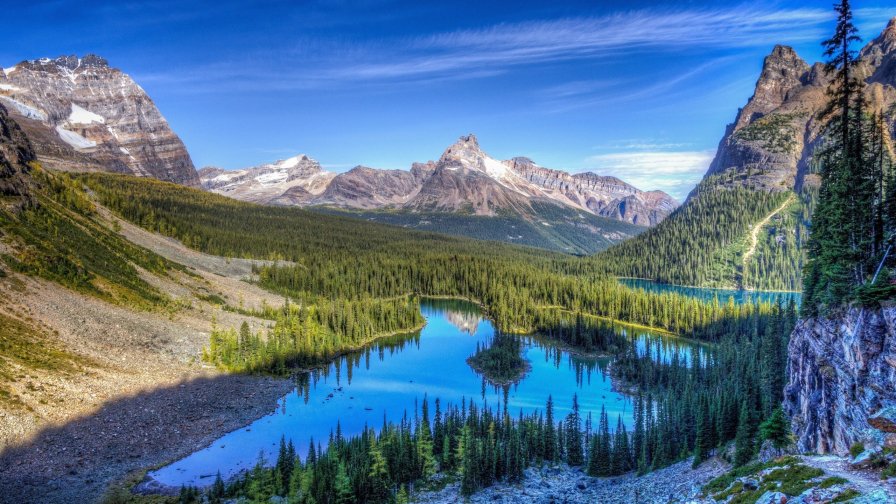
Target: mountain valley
[(469, 329)]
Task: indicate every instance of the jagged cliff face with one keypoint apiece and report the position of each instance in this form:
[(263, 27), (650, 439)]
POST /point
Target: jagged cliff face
[(15, 153), (83, 115), (771, 142), (464, 180), (842, 381), (601, 195)]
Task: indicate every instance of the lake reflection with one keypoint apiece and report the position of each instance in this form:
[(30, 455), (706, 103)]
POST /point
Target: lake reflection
[(392, 377)]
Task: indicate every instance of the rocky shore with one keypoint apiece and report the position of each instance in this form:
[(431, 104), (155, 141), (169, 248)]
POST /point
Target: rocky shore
[(564, 484)]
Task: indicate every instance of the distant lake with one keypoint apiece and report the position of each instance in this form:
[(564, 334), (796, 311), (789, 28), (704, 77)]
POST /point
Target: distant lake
[(392, 377), (739, 296)]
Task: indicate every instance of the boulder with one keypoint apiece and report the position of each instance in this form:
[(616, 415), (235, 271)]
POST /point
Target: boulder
[(879, 496), (864, 459), (884, 420), (772, 498)]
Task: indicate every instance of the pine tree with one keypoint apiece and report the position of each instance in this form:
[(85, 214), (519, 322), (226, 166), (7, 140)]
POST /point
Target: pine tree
[(846, 235), (776, 429), (343, 486), (622, 458), (574, 451), (425, 455), (378, 477), (550, 435), (744, 446), (702, 444)]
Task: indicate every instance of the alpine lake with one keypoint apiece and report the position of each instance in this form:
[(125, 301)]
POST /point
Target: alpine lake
[(391, 378)]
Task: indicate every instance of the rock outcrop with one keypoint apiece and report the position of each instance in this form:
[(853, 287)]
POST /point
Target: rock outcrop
[(364, 187), (464, 180), (842, 380), (771, 143), (83, 115), (15, 154)]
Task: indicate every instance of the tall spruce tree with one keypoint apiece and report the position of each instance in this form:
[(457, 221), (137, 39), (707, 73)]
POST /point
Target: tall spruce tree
[(850, 222)]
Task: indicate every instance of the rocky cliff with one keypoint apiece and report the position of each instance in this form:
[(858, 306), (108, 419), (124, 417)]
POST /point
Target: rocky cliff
[(464, 180), (771, 143), (842, 381), (83, 115), (15, 154)]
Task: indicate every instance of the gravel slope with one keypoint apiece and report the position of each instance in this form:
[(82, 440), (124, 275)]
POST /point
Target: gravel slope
[(139, 395)]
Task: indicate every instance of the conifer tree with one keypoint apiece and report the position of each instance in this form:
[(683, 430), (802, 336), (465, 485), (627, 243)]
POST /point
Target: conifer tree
[(776, 429), (550, 435), (743, 442), (573, 433)]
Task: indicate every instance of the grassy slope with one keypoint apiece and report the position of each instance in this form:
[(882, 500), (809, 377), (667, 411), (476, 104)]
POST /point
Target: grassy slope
[(60, 237)]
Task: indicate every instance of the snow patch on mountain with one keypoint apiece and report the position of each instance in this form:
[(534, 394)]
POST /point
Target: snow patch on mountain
[(23, 109), (291, 162), (75, 140), (272, 177), (494, 168), (81, 115)]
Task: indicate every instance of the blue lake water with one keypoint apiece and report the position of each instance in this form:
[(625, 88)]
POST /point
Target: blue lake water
[(393, 376), (739, 296)]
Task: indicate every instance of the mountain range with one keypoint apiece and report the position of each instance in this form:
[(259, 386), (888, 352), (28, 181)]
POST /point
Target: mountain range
[(463, 180), (80, 114)]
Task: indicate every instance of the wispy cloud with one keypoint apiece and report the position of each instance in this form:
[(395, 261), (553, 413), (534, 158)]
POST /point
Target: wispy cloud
[(497, 49), (675, 172), (641, 144)]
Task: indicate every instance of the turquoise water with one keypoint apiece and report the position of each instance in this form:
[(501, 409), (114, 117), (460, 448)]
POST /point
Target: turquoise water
[(394, 376), (739, 296)]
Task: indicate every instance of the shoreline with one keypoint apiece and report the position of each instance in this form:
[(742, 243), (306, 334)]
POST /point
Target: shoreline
[(149, 486), (139, 482), (733, 288)]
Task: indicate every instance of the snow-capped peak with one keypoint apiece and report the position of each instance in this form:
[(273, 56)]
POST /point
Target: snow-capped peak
[(291, 162)]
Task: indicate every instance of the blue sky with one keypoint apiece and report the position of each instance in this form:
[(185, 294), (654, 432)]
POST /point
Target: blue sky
[(640, 90)]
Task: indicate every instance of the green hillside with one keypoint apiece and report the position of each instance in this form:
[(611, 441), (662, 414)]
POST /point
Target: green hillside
[(709, 241), (335, 258)]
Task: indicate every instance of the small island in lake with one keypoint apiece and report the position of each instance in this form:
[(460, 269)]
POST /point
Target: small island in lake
[(501, 363)]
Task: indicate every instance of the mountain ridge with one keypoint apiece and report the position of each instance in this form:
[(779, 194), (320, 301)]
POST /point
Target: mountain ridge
[(464, 180)]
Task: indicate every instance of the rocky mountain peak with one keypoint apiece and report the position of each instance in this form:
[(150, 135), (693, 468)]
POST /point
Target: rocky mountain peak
[(81, 114), (294, 161), (880, 56), (71, 62), (465, 150), (782, 72)]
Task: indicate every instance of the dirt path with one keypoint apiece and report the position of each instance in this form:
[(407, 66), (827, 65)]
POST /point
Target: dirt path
[(754, 233), (866, 481)]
